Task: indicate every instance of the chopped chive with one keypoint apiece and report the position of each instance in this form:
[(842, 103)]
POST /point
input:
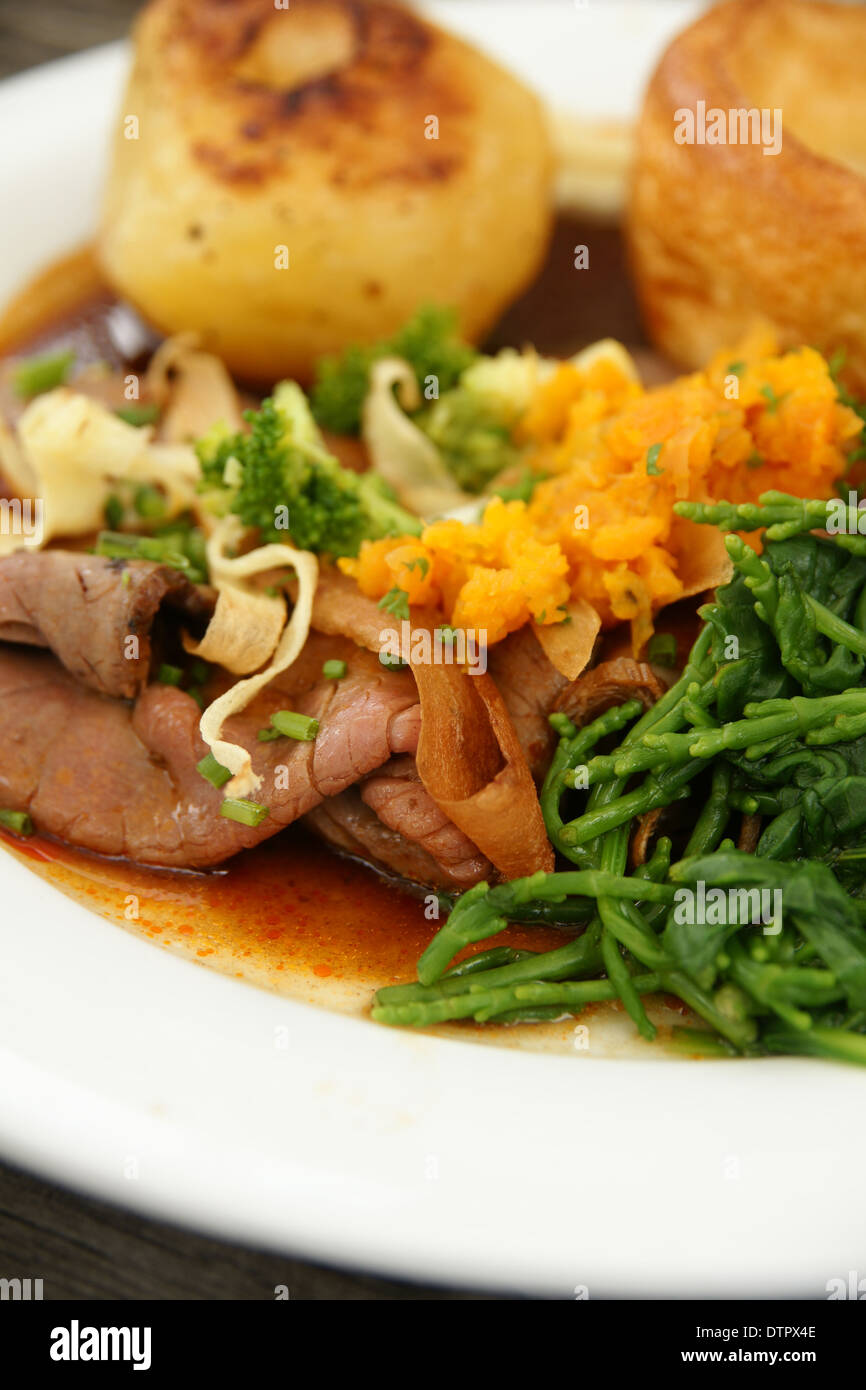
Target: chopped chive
[(734, 368), (754, 460), (113, 511), (169, 675), (169, 540), (173, 540), (652, 459), (195, 549), (138, 414), (119, 545), (37, 374), (176, 526), (268, 735), (199, 672), (291, 725), (662, 649), (392, 663), (212, 771), (197, 694), (150, 503), (243, 811), (17, 821), (124, 579), (334, 670), (449, 633), (773, 401), (697, 1042)]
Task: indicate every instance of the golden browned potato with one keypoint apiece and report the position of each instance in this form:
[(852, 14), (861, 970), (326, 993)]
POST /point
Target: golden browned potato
[(287, 181), (722, 233)]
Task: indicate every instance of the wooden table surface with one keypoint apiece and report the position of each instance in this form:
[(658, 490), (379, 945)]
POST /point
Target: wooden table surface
[(81, 1248)]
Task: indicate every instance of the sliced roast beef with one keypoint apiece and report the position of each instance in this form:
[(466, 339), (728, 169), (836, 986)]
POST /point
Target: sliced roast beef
[(397, 796), (122, 780), (345, 823), (87, 608), (428, 848)]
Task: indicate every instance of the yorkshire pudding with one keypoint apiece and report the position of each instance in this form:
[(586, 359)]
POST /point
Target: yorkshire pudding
[(287, 179), (722, 233)]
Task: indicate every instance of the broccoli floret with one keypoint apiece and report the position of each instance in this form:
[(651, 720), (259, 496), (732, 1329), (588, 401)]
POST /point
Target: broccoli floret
[(214, 451), (472, 424), (218, 465), (340, 387), (428, 342), (473, 440), (280, 479), (505, 383)]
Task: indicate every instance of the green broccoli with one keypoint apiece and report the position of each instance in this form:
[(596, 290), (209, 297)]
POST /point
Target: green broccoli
[(428, 342), (471, 425), (280, 479), (474, 441)]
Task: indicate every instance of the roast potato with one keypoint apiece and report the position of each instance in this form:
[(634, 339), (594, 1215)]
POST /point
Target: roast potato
[(722, 233), (276, 184)]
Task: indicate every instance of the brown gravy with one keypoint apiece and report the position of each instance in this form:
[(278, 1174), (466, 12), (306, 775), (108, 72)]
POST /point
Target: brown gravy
[(290, 907)]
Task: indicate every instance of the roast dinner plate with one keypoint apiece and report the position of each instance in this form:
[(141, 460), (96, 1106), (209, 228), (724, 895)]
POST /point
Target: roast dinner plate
[(282, 1116)]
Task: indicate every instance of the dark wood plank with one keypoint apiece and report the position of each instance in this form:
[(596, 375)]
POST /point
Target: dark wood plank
[(36, 33), (84, 1249)]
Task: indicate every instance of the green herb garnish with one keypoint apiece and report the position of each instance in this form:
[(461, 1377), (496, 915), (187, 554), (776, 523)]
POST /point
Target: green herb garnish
[(169, 675), (773, 401), (246, 812), (392, 663), (138, 415), (162, 549), (17, 821), (34, 375), (298, 726), (396, 602), (149, 503), (212, 771), (662, 649), (113, 512)]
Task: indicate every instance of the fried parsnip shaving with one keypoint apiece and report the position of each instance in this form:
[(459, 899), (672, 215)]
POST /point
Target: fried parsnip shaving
[(245, 624)]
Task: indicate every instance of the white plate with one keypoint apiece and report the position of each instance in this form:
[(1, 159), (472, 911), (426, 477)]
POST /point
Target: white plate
[(139, 1078)]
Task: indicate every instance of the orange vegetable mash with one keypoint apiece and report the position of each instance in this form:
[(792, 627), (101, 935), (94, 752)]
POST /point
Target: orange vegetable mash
[(613, 458)]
